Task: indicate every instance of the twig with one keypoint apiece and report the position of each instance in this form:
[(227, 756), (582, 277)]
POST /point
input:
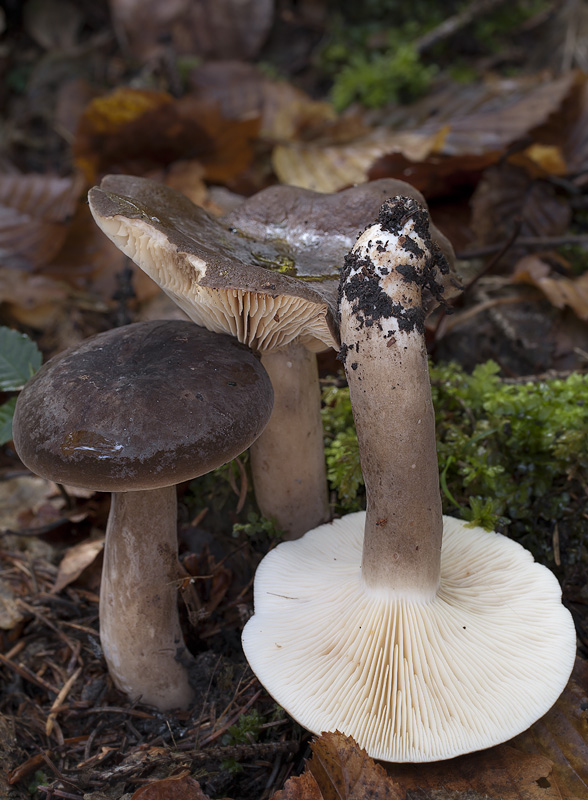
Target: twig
[(457, 22), (59, 700), (530, 242), (232, 721), (27, 674)]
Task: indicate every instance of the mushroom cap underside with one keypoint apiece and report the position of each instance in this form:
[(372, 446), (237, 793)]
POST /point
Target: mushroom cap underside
[(141, 407), (222, 279), (410, 680), (267, 273)]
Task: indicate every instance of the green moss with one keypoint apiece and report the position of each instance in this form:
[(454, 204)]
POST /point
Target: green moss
[(396, 75), (512, 456), (371, 56)]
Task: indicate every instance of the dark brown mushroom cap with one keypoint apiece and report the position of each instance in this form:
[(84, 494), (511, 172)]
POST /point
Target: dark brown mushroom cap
[(266, 273), (316, 230), (141, 407)]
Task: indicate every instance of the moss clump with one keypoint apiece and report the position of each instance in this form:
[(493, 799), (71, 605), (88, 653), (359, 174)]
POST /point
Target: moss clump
[(372, 54), (396, 75), (513, 457)]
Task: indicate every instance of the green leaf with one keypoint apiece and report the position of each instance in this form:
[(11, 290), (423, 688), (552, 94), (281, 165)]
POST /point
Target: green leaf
[(20, 358), (6, 414)]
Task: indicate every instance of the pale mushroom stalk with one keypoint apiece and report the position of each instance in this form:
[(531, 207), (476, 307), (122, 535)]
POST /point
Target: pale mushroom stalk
[(140, 629), (382, 333), (287, 460)]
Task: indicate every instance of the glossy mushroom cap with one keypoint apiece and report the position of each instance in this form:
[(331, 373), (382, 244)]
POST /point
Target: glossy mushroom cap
[(142, 407), (267, 273)]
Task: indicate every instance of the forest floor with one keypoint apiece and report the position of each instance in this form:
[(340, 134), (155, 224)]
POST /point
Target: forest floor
[(88, 89)]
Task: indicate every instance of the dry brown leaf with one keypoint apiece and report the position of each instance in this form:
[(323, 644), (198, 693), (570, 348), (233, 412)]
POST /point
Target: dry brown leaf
[(19, 494), (329, 168), (34, 214), (89, 259), (440, 143), (76, 559), (560, 291), (242, 90), (512, 109), (182, 787), (562, 736), (207, 28), (340, 770), (576, 141), (508, 193), (10, 615), (303, 787), (187, 177), (230, 28), (137, 131), (541, 160), (501, 773)]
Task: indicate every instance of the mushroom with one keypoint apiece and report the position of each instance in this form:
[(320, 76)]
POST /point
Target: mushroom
[(134, 411), (268, 274), (417, 635)]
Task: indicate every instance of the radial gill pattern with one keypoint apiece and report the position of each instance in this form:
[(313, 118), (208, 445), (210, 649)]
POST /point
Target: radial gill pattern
[(262, 321), (410, 681)]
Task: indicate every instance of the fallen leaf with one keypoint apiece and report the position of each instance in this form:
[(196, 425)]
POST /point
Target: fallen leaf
[(137, 131), (242, 90), (511, 109), (34, 213), (19, 494), (507, 193), (205, 28), (75, 561), (340, 770), (303, 787), (560, 291), (562, 736), (230, 28), (182, 787), (10, 616), (500, 773), (329, 168), (89, 260), (440, 143)]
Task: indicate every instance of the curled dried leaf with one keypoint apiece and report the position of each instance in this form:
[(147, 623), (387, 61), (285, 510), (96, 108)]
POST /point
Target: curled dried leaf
[(559, 290), (34, 214)]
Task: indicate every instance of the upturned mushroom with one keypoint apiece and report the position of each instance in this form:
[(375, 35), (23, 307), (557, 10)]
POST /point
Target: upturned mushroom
[(415, 634), (134, 411), (268, 274)]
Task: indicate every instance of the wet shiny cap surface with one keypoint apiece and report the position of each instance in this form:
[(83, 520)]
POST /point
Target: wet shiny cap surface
[(143, 406)]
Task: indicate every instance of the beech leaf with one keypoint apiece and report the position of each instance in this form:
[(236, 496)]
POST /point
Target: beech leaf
[(560, 291), (340, 770), (75, 561)]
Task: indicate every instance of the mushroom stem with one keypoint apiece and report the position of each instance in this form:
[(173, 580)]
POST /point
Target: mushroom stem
[(139, 623), (382, 330), (288, 460)]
